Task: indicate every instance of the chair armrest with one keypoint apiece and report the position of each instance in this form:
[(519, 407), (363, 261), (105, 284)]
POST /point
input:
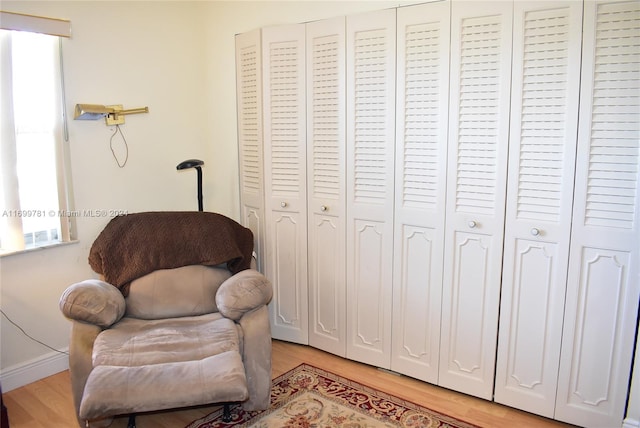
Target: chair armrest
[(243, 292), (93, 301)]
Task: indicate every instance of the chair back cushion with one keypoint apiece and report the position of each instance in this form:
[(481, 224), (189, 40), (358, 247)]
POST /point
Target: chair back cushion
[(168, 293)]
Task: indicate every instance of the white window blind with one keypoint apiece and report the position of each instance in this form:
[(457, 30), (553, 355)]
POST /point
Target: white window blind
[(35, 24), (33, 184)]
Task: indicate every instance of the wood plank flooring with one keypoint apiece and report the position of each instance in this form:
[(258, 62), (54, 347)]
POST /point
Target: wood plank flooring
[(48, 403)]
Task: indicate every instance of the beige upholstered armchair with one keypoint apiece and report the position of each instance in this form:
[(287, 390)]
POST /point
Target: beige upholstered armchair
[(173, 336)]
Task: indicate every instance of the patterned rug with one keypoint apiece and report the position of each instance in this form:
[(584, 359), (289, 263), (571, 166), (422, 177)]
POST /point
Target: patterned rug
[(308, 397)]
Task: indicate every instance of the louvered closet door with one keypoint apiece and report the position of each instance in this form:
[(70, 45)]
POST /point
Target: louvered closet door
[(326, 104), (249, 98), (421, 159), (476, 187), (603, 284), (544, 126), (370, 149), (283, 58)]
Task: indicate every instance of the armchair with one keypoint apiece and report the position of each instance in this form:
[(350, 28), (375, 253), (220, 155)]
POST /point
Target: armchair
[(173, 337)]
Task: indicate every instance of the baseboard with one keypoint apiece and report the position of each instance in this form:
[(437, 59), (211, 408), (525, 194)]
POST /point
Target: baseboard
[(31, 371), (630, 423)]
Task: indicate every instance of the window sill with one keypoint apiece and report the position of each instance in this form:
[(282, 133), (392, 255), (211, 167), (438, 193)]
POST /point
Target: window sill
[(7, 253)]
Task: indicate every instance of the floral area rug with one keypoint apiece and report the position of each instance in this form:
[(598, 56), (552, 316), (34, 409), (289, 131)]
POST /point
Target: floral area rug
[(308, 397)]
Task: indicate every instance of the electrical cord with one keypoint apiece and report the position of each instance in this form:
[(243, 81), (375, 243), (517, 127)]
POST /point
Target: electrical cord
[(126, 147), (31, 337)]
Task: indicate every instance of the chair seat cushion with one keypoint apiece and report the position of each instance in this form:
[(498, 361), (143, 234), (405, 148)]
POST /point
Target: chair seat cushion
[(135, 342), (142, 365)]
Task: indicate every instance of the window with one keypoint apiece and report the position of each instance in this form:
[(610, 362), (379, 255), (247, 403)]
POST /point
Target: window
[(33, 184)]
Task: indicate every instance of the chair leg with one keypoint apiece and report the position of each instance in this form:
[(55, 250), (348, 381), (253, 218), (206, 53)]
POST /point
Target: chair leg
[(226, 413), (132, 421)]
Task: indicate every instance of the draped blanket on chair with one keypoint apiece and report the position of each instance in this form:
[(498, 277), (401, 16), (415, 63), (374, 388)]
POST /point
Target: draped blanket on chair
[(133, 245)]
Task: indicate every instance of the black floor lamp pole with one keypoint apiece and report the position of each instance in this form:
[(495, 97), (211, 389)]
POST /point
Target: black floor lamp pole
[(199, 170), (194, 163)]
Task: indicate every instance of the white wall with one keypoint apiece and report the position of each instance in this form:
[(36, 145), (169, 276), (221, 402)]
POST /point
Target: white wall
[(178, 59)]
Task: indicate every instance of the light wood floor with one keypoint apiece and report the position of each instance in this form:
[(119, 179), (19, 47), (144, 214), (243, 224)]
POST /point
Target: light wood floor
[(48, 403)]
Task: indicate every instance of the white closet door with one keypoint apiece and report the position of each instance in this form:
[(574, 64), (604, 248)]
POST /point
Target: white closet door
[(326, 104), (603, 284), (544, 125), (476, 187), (422, 103), (283, 55), (370, 149), (249, 96)]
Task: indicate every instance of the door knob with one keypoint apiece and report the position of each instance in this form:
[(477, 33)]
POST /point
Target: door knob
[(472, 224), (283, 204), (323, 208), (535, 231)]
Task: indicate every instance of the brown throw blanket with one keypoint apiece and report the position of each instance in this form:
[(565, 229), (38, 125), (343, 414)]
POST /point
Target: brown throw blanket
[(133, 245)]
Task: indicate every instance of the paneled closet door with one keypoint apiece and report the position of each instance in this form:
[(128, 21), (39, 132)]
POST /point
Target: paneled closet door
[(422, 103), (249, 96), (371, 42), (476, 188), (326, 117), (283, 55), (544, 125), (603, 285)]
